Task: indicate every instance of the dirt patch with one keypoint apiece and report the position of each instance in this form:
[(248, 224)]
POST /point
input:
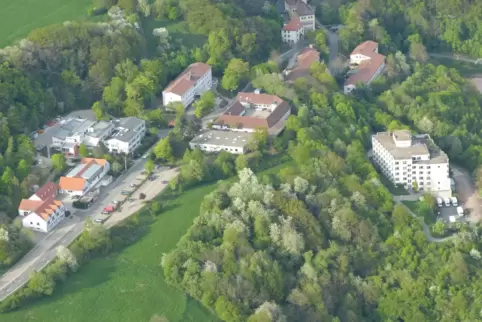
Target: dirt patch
[(468, 195), (477, 81)]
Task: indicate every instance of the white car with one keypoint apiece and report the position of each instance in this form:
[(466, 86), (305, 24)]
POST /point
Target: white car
[(439, 202), (460, 211), (447, 202), (454, 201)]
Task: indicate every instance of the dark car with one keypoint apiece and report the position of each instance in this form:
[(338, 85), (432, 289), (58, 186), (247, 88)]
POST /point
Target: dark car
[(164, 182), (152, 178)]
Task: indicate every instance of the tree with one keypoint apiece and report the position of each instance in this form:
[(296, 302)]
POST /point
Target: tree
[(241, 162), (59, 162), (259, 139), (149, 166), (83, 150), (41, 283), (235, 73), (117, 167), (205, 104), (64, 254), (163, 150)]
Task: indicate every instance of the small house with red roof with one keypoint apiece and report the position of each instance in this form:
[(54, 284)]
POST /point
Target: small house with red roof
[(292, 32), (42, 212)]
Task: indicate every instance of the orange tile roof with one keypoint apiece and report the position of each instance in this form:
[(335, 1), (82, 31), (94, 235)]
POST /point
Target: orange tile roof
[(307, 57), (293, 25), (48, 208), (188, 78), (101, 162), (366, 69), (72, 183), (29, 205)]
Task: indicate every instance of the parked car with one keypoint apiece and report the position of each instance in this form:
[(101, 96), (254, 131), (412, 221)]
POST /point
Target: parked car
[(439, 202), (115, 202), (152, 178), (125, 192), (164, 182), (454, 201), (99, 220), (132, 185), (447, 202)]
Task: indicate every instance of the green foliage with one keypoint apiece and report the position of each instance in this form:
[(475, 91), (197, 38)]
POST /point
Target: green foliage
[(59, 162), (163, 150), (235, 73), (205, 104)]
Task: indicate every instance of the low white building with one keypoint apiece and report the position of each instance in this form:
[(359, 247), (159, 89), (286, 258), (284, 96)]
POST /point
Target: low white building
[(81, 179), (292, 32), (413, 161), (127, 135), (195, 80), (41, 212), (216, 141)]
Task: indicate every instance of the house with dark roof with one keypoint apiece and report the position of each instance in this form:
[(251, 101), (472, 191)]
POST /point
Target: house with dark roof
[(250, 111), (195, 80), (42, 212), (366, 65)]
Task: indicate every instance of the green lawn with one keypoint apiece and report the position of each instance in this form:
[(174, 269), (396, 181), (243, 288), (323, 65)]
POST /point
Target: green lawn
[(394, 190), (19, 17), (128, 286)]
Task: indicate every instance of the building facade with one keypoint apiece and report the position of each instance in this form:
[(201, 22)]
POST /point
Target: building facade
[(127, 136), (85, 176), (195, 80), (301, 10), (413, 161), (366, 64), (292, 32), (42, 212)]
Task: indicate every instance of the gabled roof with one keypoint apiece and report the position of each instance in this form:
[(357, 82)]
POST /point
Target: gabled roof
[(101, 162), (187, 79), (72, 183), (29, 205), (366, 48), (307, 57), (294, 25), (366, 69)]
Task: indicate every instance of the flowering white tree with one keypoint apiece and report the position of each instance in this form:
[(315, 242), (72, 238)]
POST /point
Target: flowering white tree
[(64, 254), (301, 185), (4, 234), (272, 311)]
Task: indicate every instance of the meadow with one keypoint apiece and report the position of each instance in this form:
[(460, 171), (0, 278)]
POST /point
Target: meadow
[(19, 17), (128, 286)]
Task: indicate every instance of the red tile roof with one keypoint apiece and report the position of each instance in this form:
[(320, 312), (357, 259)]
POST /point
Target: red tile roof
[(29, 205), (101, 162), (293, 25), (188, 78), (366, 48), (307, 57), (366, 69), (49, 189), (253, 98)]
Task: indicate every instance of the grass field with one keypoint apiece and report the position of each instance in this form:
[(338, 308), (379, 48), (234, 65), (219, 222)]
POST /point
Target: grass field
[(19, 17), (130, 286)]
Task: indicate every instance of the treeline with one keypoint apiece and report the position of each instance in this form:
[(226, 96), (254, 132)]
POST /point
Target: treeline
[(95, 241), (414, 26), (322, 240), (14, 243)]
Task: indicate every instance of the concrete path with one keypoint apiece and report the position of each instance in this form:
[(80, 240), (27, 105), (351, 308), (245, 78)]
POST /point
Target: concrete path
[(425, 228), (455, 57)]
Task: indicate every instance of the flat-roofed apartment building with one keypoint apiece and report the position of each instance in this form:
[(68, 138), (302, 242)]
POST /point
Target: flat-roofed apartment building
[(195, 80), (410, 160)]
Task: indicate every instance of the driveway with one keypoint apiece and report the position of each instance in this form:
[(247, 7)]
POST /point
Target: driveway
[(468, 194)]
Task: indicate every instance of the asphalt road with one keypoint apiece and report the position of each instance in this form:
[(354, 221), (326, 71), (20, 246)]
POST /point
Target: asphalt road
[(71, 227)]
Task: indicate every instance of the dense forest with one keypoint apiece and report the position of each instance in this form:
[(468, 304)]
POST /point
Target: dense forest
[(413, 26), (322, 240)]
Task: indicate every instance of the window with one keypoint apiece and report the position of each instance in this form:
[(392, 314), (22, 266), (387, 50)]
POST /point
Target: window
[(31, 223), (420, 167), (397, 162), (38, 224), (404, 162)]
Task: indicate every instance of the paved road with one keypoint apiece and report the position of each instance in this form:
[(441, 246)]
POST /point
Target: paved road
[(455, 57), (333, 40), (71, 227)]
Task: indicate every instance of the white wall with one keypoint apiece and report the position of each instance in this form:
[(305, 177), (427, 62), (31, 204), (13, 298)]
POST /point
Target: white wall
[(203, 85), (217, 148), (348, 88), (37, 223), (358, 58)]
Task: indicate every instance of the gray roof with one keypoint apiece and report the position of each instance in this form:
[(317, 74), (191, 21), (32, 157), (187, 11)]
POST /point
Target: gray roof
[(302, 9), (75, 170), (226, 138), (129, 123), (124, 136), (100, 128), (91, 170), (83, 114), (421, 144)]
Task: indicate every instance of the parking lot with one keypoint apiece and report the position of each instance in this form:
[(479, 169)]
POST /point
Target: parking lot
[(446, 212)]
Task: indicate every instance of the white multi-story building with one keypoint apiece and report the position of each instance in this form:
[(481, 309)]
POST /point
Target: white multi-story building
[(195, 80), (41, 212), (413, 161), (127, 135), (292, 32)]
